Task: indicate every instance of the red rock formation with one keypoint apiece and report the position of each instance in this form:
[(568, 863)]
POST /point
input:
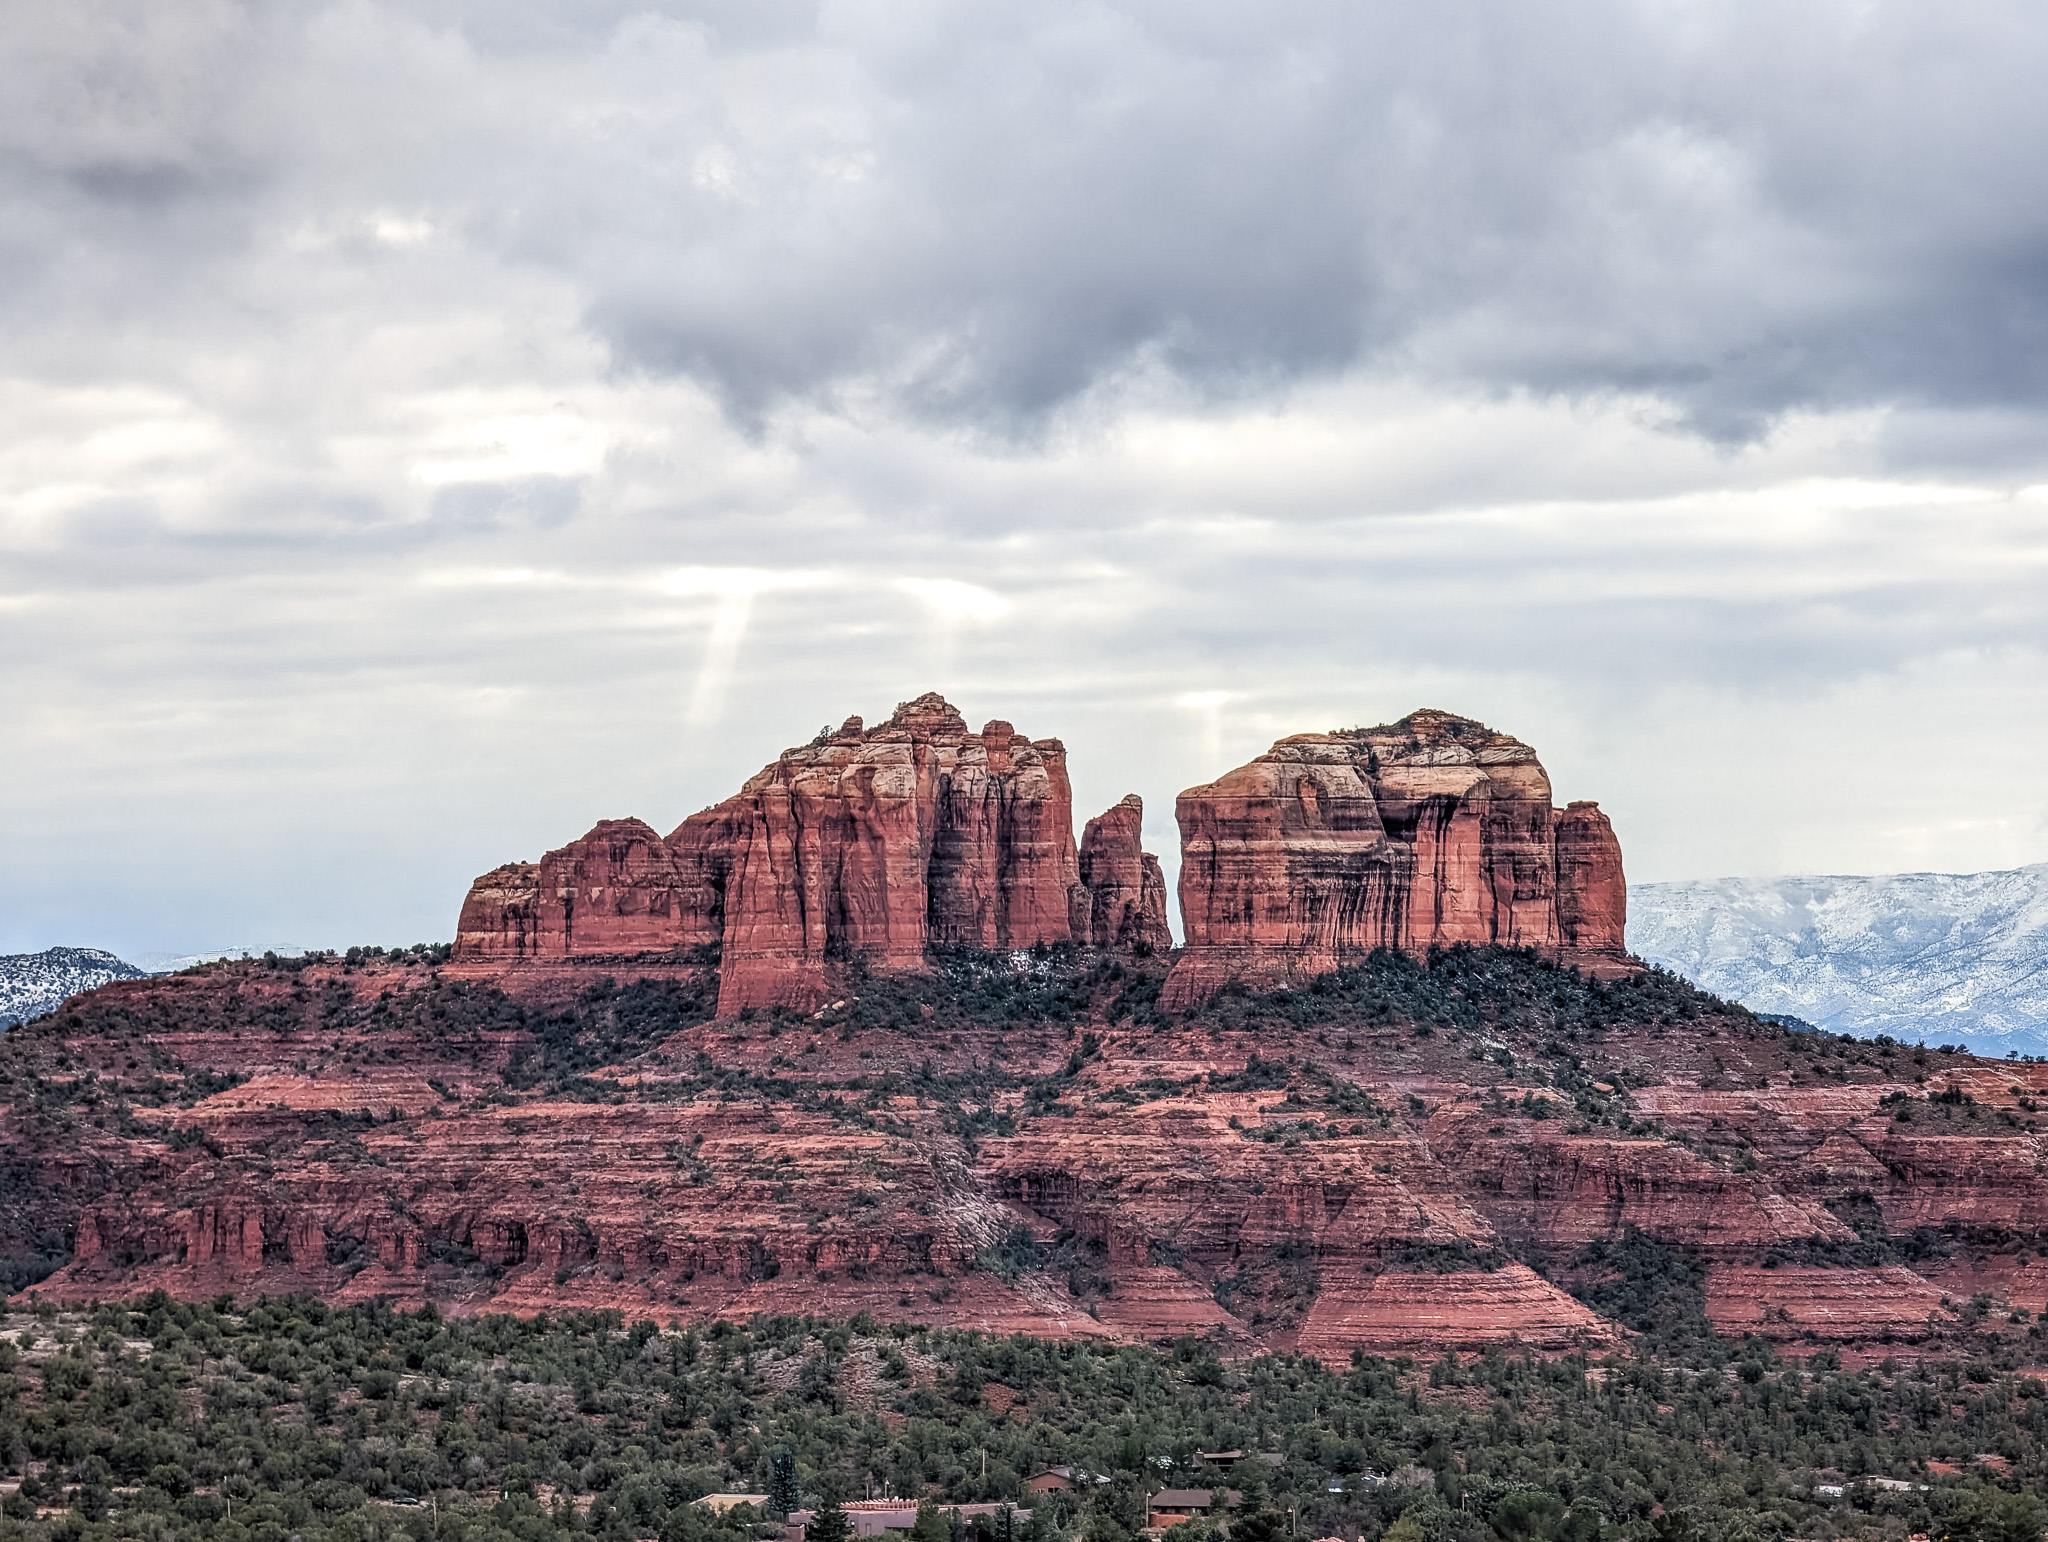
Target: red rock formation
[(1161, 1304), (881, 842), (1258, 1173), (1122, 882), (1592, 893), (405, 1134), (873, 844), (501, 914), (1830, 1306), (1473, 808), (618, 890), (1433, 830), (1428, 1315)]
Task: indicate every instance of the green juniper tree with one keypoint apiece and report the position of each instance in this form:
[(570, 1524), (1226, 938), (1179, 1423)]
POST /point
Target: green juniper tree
[(828, 1523)]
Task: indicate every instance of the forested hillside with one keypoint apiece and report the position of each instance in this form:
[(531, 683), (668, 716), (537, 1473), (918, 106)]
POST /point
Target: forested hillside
[(283, 1418)]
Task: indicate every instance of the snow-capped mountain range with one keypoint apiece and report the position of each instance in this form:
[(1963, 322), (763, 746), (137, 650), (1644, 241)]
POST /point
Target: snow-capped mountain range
[(1940, 957), (34, 983), (171, 963)]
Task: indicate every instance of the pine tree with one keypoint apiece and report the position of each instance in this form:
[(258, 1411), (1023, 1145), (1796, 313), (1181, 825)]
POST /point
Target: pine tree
[(828, 1524), (930, 1525), (783, 1496)]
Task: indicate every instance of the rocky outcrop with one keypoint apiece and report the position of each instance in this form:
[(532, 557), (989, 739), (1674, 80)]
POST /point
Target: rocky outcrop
[(880, 843), (866, 844), (501, 914), (1592, 893), (1431, 831), (1313, 1173), (1828, 1306), (1122, 883), (621, 889), (1468, 1312)]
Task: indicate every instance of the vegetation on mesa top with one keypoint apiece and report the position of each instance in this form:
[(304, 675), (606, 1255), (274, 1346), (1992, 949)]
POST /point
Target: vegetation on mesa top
[(1503, 1016), (1502, 1008), (1461, 987), (147, 1420)]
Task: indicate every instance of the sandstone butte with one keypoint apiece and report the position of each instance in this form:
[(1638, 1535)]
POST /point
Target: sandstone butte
[(1503, 1142), (873, 844), (1425, 833)]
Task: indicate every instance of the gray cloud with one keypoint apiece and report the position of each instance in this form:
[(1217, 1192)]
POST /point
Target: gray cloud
[(985, 212), (431, 428)]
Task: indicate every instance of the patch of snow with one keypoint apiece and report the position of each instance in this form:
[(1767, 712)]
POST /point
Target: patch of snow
[(1933, 957), (32, 984)]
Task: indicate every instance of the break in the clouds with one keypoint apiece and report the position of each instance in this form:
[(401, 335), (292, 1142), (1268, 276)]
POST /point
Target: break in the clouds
[(429, 428)]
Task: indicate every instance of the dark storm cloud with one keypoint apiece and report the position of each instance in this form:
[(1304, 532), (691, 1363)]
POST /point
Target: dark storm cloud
[(986, 211), (1742, 210)]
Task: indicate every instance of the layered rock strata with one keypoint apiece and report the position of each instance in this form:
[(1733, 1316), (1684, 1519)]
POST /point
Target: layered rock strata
[(1431, 831), (871, 844), (1335, 1182), (1428, 1315)]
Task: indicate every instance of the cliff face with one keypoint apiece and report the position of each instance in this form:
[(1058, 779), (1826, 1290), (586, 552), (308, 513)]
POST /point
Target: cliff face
[(1592, 894), (501, 914), (1431, 831), (876, 844), (883, 842)]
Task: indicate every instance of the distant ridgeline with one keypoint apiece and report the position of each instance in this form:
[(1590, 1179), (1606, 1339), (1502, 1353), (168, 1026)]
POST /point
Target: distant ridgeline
[(1922, 957), (34, 983)]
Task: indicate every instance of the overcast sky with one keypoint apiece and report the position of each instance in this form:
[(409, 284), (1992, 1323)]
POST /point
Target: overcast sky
[(426, 429)]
